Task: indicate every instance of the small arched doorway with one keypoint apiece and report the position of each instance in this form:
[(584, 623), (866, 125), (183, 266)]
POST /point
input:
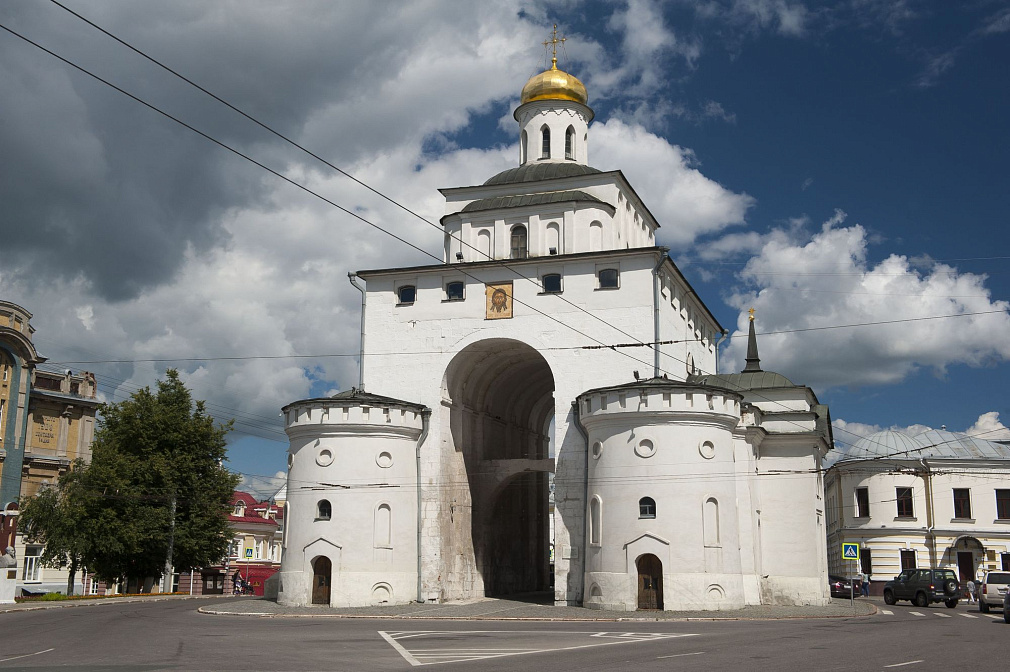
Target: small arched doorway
[(322, 571), (650, 582)]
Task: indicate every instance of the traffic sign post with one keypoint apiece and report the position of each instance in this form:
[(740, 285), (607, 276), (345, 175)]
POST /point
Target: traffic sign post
[(851, 552)]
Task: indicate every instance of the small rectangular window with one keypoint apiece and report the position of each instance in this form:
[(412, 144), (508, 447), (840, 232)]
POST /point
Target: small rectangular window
[(862, 502), (1003, 504), (454, 291), (552, 283), (32, 571), (903, 496), (609, 278), (962, 503), (908, 560), (1005, 561), (406, 294)]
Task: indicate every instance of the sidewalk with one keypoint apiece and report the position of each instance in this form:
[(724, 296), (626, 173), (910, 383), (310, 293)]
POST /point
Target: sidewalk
[(95, 602), (494, 609)]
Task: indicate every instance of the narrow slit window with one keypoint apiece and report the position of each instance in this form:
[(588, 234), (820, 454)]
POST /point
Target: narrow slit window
[(595, 522), (570, 144), (545, 146)]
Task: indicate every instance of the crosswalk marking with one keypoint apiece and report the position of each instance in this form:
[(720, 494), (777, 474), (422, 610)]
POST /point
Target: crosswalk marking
[(969, 616), (916, 613), (991, 616), (936, 613), (886, 612)]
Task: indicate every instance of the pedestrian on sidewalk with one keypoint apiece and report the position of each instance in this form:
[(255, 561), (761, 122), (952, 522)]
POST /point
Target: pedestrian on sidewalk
[(971, 592), (864, 580)]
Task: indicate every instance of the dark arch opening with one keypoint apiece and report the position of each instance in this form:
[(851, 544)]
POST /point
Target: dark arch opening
[(650, 581), (501, 398), (322, 574)]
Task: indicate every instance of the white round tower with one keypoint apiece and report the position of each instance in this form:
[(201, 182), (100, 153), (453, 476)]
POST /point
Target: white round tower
[(350, 519)]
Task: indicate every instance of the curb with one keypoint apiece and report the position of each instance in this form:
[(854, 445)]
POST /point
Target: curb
[(542, 619), (68, 604)]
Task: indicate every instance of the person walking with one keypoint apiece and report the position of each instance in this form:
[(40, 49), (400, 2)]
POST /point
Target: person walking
[(864, 580), (971, 592)]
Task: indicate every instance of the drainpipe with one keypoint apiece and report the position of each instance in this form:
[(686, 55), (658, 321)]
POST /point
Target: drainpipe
[(425, 417), (361, 357), (722, 337), (655, 318), (930, 529), (585, 496)]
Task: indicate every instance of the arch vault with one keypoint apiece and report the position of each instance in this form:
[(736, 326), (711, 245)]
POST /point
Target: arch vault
[(496, 448)]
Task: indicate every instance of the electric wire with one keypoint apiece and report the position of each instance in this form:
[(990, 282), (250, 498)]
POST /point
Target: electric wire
[(313, 193)]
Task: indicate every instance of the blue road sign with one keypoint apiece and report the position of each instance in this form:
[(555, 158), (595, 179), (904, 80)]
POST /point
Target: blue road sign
[(850, 551)]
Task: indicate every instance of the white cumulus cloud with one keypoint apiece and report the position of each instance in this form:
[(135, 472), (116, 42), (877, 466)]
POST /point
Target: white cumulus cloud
[(936, 316)]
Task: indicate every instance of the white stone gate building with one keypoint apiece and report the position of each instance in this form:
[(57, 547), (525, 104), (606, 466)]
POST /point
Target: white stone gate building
[(673, 489)]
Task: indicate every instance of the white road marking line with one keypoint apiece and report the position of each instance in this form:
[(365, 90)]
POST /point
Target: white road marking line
[(678, 655), (991, 616), (399, 649), (886, 612), (436, 656), (937, 613), (911, 662), (27, 655), (916, 613), (969, 616)]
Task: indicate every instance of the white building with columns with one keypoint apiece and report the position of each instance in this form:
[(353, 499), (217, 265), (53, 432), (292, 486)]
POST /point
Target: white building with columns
[(675, 488)]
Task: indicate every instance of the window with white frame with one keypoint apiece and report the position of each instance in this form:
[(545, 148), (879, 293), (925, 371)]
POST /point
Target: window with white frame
[(236, 548), (32, 572)]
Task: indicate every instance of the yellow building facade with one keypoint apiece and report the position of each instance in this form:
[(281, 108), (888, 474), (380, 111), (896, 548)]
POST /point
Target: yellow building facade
[(47, 420)]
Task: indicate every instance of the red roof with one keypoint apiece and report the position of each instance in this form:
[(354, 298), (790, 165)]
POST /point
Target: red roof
[(254, 510)]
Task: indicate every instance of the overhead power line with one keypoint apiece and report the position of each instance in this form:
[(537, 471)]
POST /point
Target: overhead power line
[(440, 229), (332, 203)]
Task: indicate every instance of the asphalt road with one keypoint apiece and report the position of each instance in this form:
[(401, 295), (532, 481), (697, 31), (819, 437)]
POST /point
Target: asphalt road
[(173, 636)]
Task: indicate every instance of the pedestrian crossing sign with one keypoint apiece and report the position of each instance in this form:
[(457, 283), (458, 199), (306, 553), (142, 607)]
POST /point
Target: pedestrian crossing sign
[(850, 551)]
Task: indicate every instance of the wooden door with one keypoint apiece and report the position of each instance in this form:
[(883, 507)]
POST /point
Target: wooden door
[(965, 567), (650, 582), (322, 570)]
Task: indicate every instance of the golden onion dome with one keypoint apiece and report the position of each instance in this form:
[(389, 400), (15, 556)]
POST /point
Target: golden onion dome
[(554, 84)]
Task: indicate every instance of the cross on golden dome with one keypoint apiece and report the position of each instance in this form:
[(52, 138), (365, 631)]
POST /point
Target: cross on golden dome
[(553, 42), (751, 311)]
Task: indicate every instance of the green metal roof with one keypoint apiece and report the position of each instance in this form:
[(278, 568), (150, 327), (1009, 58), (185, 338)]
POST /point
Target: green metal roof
[(534, 172), (749, 380), (499, 202)]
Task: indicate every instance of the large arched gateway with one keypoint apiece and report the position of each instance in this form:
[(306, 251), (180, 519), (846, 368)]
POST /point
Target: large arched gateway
[(500, 399)]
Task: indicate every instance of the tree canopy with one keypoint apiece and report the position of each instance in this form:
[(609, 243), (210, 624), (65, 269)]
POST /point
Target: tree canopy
[(156, 489)]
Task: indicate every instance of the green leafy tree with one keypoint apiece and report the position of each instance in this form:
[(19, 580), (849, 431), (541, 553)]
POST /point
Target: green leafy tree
[(58, 518), (160, 492)]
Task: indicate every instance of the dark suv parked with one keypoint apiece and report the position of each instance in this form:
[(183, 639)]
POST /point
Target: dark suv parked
[(924, 587)]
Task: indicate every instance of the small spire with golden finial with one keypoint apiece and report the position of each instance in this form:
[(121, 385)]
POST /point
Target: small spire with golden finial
[(752, 359), (553, 42)]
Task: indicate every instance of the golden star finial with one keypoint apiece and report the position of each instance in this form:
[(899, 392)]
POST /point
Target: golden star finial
[(553, 42), (751, 311)]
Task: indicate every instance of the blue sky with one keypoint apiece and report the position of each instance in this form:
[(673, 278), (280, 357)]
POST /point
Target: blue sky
[(827, 163)]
